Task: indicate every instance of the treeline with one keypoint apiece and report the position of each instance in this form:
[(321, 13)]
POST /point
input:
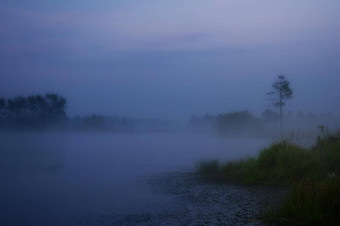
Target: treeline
[(233, 123), (245, 122), (120, 124), (100, 122), (48, 112), (35, 110), (238, 122)]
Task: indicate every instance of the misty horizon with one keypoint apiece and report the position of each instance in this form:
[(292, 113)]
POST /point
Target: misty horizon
[(174, 59), (171, 112)]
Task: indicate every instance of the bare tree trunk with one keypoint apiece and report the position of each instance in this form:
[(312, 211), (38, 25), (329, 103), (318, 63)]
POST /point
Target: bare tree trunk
[(281, 124)]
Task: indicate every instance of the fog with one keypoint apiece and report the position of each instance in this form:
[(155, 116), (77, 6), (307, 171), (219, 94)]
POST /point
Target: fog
[(61, 178), (171, 60), (96, 96)]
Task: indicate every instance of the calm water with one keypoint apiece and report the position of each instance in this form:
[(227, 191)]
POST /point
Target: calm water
[(61, 178)]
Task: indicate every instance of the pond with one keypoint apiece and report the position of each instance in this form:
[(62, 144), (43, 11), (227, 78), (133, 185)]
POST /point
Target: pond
[(71, 178)]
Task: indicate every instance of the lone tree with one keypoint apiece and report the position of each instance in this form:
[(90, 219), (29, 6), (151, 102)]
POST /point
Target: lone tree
[(282, 92)]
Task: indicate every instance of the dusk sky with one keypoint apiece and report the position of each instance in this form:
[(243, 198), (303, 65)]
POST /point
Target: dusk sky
[(171, 58)]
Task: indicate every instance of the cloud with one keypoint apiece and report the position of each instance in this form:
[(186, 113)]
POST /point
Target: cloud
[(170, 51), (170, 25)]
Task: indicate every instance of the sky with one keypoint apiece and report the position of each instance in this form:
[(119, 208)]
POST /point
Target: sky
[(171, 58)]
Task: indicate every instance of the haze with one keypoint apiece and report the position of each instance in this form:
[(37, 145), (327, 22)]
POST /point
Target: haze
[(107, 107), (171, 59)]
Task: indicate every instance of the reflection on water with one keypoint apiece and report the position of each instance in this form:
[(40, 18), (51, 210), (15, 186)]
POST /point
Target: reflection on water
[(59, 178)]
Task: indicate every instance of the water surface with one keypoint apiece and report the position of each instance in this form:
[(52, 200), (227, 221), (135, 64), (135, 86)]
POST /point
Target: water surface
[(62, 178)]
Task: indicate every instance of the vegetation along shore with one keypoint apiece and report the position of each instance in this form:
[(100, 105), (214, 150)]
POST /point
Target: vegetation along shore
[(311, 174)]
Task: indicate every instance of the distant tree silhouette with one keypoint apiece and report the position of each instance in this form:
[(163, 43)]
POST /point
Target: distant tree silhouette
[(56, 106), (283, 92), (2, 109), (33, 109), (95, 121), (236, 122), (100, 122)]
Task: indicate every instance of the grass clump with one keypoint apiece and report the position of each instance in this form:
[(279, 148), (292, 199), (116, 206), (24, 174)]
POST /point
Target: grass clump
[(311, 173), (280, 164), (208, 167), (310, 203)]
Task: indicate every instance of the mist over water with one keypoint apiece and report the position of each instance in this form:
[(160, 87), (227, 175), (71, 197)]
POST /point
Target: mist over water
[(57, 178), (98, 96)]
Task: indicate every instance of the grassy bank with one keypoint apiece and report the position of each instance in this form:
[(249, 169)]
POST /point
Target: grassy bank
[(312, 174)]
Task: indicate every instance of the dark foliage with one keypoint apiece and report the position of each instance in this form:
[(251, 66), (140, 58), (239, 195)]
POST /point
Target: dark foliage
[(237, 122), (103, 123), (32, 110), (312, 175)]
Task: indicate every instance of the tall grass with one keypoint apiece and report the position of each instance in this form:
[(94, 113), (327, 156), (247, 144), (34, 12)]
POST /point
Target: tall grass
[(280, 164), (310, 203), (312, 173)]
